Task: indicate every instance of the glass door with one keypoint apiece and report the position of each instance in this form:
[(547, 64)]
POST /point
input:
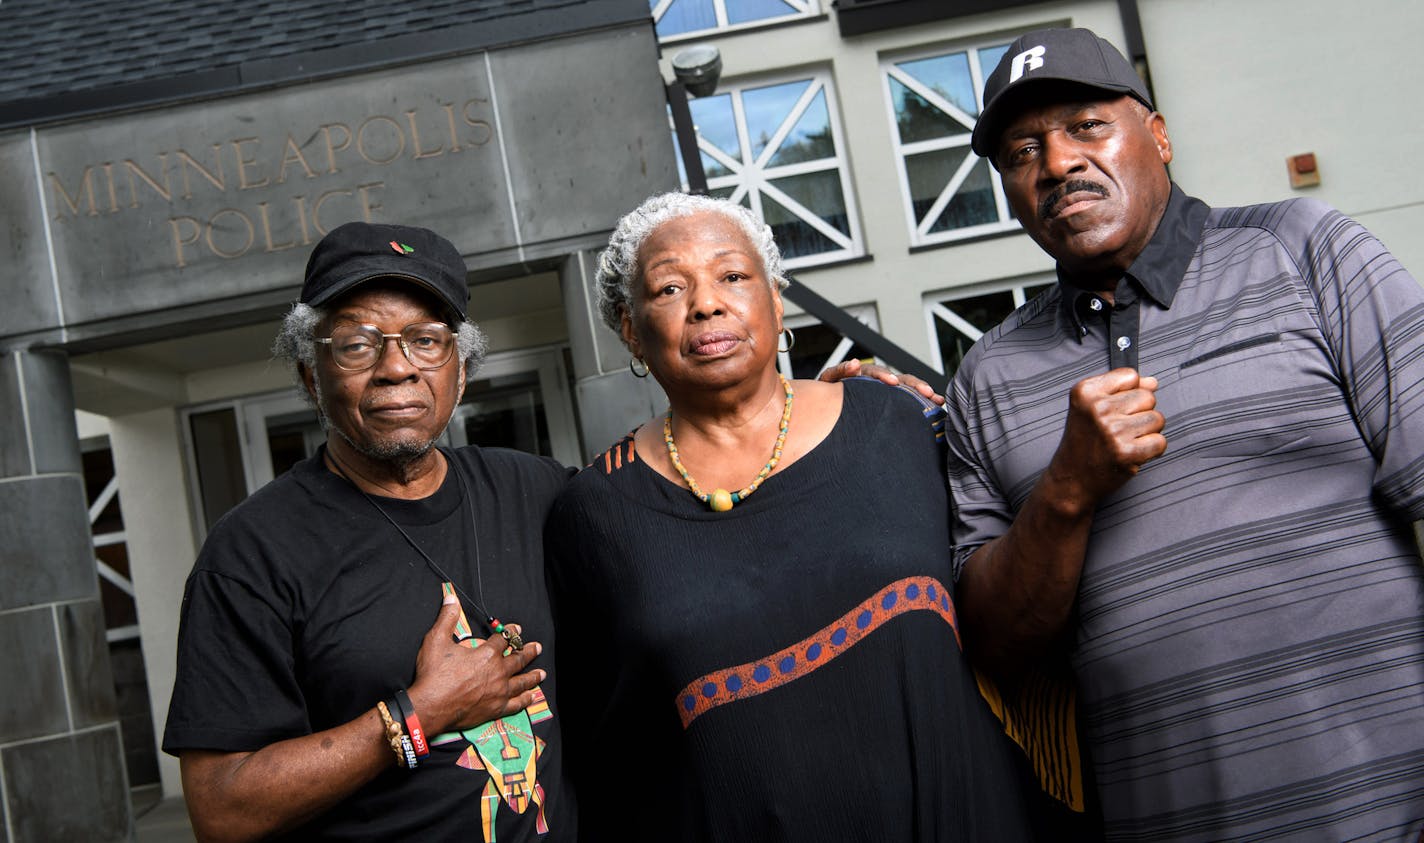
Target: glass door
[(518, 400)]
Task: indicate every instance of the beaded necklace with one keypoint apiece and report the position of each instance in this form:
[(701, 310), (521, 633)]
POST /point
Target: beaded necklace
[(721, 500), (494, 623)]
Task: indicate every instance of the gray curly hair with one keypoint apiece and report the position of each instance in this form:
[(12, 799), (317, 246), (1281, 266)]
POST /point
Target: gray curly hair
[(296, 341), (618, 264)]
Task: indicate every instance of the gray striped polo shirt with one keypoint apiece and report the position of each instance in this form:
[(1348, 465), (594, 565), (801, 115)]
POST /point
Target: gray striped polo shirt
[(1250, 619)]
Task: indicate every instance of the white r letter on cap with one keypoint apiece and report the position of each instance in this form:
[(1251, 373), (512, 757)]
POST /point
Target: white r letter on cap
[(1030, 59)]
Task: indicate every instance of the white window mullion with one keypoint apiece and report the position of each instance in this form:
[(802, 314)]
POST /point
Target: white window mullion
[(797, 110), (933, 97), (957, 322), (947, 194), (807, 216)]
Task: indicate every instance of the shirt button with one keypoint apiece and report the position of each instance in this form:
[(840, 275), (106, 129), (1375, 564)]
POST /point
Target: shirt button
[(1123, 343), (1095, 304)]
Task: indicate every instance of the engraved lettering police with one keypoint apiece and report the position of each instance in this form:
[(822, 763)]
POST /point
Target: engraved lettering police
[(302, 180)]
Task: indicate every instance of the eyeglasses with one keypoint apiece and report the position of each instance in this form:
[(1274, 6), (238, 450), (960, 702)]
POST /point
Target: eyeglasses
[(356, 348)]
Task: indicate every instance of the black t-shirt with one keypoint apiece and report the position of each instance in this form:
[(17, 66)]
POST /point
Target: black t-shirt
[(306, 607), (786, 671)]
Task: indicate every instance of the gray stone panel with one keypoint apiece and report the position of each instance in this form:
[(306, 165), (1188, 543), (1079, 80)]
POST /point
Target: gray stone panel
[(225, 198), (14, 440), (49, 399), (33, 702), (86, 663), (598, 144), (611, 405), (44, 530), (29, 302), (70, 788)]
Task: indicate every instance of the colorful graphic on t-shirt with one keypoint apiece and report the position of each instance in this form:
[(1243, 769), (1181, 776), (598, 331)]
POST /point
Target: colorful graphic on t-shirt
[(507, 750), (910, 594)]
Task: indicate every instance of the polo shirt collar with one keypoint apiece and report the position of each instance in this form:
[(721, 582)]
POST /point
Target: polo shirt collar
[(1159, 270)]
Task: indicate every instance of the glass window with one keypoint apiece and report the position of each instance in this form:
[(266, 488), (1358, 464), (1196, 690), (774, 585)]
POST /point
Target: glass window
[(957, 321), (950, 193), (775, 148), (676, 18), (819, 346)]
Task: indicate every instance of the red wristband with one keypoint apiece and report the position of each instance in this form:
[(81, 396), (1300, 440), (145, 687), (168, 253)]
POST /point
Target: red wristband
[(412, 724)]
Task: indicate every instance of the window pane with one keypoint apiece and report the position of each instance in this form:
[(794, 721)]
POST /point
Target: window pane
[(685, 16), (917, 119), (973, 203), (928, 173), (713, 119), (814, 346), (810, 139), (767, 108), (217, 455), (947, 76), (726, 193), (507, 412), (821, 194), (989, 59), (983, 312), (794, 235), (742, 11)]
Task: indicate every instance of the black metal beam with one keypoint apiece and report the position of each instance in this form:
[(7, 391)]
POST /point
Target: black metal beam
[(686, 138), (880, 345)]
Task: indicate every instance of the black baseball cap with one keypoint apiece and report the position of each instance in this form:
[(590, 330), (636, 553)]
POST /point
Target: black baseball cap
[(1064, 55), (360, 251)]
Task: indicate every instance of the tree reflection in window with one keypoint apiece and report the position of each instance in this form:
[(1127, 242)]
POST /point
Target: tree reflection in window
[(775, 149), (950, 193)]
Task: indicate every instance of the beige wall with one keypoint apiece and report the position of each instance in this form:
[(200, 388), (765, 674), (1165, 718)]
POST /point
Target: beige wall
[(1243, 85)]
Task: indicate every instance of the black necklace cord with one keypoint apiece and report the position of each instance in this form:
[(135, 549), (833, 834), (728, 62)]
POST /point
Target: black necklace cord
[(491, 621)]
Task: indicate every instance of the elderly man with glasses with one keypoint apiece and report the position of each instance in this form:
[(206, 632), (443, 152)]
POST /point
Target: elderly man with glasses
[(350, 661)]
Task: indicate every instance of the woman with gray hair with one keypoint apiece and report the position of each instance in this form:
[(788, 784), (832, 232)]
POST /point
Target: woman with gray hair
[(753, 591)]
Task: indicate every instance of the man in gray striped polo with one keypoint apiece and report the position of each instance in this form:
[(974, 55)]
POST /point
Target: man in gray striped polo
[(1243, 608)]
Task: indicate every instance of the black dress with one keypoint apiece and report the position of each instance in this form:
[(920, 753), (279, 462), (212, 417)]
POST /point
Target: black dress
[(788, 670)]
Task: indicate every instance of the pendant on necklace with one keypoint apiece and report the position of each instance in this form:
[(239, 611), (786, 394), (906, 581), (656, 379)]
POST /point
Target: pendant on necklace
[(515, 642)]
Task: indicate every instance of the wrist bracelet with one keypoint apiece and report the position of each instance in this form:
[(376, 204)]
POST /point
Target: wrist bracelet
[(399, 741), (412, 724)]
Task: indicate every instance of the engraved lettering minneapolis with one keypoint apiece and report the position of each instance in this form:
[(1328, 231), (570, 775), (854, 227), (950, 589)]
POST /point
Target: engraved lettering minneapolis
[(266, 193)]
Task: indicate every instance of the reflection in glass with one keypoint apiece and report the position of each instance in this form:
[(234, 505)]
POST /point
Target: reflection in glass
[(989, 59), (814, 346), (715, 123), (685, 16), (810, 139), (767, 108), (794, 235), (973, 203), (819, 193), (744, 11), (917, 119), (928, 173), (983, 312), (947, 76)]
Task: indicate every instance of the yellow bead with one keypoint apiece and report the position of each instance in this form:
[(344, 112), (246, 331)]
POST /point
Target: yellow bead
[(720, 500)]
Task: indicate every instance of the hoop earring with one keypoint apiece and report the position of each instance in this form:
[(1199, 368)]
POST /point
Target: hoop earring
[(633, 363), (790, 340)]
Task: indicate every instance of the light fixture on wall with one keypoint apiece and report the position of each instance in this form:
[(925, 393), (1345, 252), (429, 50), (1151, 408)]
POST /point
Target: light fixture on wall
[(697, 70)]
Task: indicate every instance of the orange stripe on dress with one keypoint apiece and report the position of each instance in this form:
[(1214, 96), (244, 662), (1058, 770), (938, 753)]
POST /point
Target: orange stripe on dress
[(911, 594)]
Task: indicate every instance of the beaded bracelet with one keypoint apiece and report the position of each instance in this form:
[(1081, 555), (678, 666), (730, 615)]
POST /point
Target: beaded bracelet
[(400, 742)]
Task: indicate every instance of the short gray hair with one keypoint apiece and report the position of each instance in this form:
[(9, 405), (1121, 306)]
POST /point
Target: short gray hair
[(296, 341), (618, 264)]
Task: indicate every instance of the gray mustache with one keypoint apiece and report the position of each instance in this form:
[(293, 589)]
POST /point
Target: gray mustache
[(1045, 208)]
